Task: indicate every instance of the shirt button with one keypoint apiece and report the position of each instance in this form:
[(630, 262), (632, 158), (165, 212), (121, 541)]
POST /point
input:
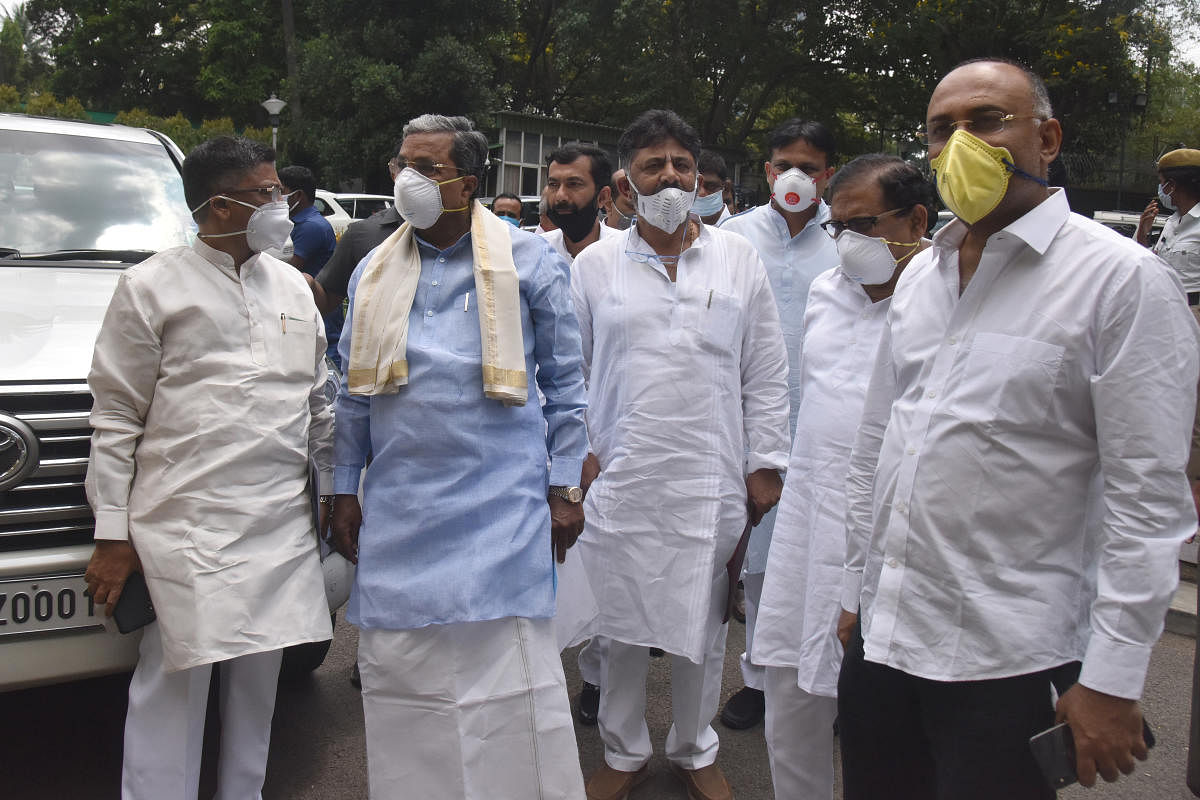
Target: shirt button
[(931, 394), (953, 340), (902, 508), (435, 283), (442, 260), (429, 313), (893, 563), (912, 451)]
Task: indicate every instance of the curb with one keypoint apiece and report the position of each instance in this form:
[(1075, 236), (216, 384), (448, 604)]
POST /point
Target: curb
[(1181, 616)]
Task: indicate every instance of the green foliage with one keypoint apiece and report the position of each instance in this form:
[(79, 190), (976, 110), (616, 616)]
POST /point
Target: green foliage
[(10, 98)]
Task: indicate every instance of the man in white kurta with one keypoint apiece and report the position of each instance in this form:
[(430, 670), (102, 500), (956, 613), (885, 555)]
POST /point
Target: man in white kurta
[(687, 402), (793, 248), (208, 378), (873, 197)]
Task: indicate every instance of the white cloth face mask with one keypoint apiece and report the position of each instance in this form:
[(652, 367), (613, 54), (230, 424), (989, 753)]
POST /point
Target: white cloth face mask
[(868, 259), (267, 229), (666, 209), (793, 190), (418, 198)]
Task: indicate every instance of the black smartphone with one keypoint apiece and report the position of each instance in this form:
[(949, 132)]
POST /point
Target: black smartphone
[(1054, 751), (134, 609)]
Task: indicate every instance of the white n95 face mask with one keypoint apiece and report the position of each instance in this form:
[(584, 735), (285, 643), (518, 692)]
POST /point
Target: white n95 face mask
[(267, 229), (666, 209), (418, 199), (793, 190), (868, 259)]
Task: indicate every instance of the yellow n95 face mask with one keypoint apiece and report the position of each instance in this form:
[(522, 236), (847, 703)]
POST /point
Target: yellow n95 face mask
[(972, 176)]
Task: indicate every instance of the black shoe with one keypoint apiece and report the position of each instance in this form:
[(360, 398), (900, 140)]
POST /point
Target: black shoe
[(354, 677), (744, 710), (589, 704), (656, 652)]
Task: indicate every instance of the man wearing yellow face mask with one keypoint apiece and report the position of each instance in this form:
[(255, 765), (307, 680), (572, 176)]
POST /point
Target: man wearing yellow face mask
[(1016, 493)]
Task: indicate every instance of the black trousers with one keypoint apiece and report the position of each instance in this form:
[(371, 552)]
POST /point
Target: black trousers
[(904, 737)]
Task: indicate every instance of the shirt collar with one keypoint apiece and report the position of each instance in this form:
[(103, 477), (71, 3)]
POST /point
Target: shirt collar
[(220, 259), (781, 226), (466, 237), (1036, 228), (634, 243)]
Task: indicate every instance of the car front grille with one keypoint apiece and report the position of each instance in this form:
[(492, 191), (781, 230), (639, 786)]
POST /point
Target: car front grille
[(49, 507)]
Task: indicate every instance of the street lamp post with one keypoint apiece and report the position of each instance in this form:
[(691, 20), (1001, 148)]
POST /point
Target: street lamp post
[(1138, 104), (274, 105)]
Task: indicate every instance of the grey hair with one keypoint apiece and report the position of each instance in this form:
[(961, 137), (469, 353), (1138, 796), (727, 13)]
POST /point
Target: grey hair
[(470, 147), (1037, 86)]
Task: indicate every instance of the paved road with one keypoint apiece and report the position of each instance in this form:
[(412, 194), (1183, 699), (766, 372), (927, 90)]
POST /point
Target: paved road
[(65, 741)]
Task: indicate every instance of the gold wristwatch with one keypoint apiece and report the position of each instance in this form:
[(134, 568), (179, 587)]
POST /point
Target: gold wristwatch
[(572, 494)]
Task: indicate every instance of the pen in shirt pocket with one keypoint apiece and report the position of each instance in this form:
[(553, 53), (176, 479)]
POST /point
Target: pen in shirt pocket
[(466, 301), (709, 304)]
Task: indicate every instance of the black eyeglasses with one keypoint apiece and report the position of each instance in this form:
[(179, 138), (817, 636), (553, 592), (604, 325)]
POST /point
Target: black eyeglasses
[(834, 227)]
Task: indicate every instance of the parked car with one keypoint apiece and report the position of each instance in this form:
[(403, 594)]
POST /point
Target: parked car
[(361, 206), (79, 202), (326, 203), (1126, 223)]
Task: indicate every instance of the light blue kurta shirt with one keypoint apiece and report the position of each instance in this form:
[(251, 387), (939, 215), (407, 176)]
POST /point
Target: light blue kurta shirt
[(456, 527), (792, 263)]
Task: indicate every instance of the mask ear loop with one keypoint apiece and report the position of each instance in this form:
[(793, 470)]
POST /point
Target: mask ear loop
[(1020, 173)]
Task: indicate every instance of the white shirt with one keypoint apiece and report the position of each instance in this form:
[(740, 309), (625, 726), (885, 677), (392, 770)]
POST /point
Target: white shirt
[(555, 238), (687, 394), (1179, 246), (209, 390), (799, 608), (792, 262), (1025, 504)]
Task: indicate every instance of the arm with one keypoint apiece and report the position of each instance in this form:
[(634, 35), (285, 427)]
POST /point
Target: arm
[(1143, 395), (320, 426), (352, 443), (764, 373), (558, 353), (860, 480), (123, 377)]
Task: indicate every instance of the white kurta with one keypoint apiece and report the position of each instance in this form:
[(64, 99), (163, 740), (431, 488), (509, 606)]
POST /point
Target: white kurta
[(800, 601), (555, 238), (687, 394), (209, 398)]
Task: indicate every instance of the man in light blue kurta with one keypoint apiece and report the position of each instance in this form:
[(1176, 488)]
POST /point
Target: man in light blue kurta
[(462, 684), (787, 233)]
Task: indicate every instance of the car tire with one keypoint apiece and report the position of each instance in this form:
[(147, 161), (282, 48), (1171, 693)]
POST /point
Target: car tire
[(301, 660)]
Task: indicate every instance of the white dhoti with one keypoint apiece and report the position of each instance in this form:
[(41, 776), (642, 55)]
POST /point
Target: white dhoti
[(695, 694), (799, 737), (164, 727), (468, 710), (591, 660), (753, 675)]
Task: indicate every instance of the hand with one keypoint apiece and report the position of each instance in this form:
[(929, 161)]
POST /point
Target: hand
[(591, 470), (763, 487), (347, 519), (845, 627), (1107, 731), (1145, 222), (566, 523), (112, 562)]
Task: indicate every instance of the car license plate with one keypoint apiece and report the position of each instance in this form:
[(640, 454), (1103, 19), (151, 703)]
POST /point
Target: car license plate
[(45, 604)]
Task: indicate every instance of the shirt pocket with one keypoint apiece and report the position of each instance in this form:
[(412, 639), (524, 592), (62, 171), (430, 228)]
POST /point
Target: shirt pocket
[(720, 321), (297, 344), (1008, 382)]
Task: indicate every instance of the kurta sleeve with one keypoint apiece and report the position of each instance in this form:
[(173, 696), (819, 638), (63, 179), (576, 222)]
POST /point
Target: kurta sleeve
[(352, 413), (559, 357), (1143, 395), (122, 380), (764, 374), (860, 480), (320, 426)]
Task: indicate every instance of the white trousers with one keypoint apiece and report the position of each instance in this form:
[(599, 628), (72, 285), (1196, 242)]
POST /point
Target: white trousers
[(695, 693), (468, 710), (799, 738), (753, 675), (591, 659), (164, 727)]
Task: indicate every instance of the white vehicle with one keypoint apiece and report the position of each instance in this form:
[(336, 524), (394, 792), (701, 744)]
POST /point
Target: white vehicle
[(327, 204), (1126, 223), (361, 206), (79, 202)]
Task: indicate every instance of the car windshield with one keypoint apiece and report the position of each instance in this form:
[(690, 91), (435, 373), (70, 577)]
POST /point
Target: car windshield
[(64, 192)]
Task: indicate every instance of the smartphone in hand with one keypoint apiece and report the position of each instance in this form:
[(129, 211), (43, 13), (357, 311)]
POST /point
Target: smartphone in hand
[(134, 609), (1054, 751)]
